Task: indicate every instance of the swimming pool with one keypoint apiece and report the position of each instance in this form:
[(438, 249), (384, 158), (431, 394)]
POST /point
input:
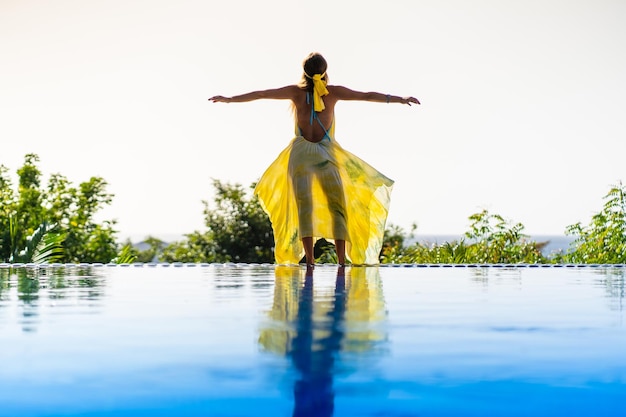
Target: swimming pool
[(257, 340)]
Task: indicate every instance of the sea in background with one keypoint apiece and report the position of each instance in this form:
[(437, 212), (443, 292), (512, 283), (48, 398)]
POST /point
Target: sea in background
[(555, 244)]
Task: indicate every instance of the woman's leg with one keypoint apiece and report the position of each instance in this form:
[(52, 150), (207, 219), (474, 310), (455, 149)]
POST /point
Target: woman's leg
[(331, 183), (304, 203), (307, 242), (340, 248)]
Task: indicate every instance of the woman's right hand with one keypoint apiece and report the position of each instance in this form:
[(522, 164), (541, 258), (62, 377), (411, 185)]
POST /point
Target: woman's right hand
[(409, 100)]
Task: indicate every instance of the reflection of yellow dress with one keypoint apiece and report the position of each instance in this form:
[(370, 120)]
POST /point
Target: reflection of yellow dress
[(323, 191), (360, 319)]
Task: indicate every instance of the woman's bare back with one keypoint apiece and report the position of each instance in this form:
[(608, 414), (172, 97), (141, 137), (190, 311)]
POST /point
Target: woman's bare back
[(313, 132)]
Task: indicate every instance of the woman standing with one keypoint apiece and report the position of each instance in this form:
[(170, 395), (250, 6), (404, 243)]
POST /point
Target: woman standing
[(315, 188)]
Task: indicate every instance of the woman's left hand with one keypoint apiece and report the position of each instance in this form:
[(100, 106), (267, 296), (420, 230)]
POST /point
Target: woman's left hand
[(220, 99)]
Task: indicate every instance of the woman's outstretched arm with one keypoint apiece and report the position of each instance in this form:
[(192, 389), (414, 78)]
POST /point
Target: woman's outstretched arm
[(283, 93), (344, 93)]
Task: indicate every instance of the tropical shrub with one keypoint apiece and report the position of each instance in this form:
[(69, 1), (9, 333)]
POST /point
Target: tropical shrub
[(491, 239), (238, 230), (603, 240), (496, 240), (71, 209)]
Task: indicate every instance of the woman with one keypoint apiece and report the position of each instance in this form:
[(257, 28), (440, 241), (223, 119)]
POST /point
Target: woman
[(328, 192)]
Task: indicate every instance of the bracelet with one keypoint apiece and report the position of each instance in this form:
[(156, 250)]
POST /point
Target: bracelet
[(388, 97)]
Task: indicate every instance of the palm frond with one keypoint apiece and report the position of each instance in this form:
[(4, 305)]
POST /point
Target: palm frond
[(127, 255), (44, 245), (50, 248)]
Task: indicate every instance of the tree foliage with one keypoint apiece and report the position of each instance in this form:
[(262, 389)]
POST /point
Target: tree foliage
[(238, 230), (196, 247), (152, 252), (71, 209)]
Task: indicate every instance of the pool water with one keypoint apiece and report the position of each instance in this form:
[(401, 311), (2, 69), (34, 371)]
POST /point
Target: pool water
[(265, 340)]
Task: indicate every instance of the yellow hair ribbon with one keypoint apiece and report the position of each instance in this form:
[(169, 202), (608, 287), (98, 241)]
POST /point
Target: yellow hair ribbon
[(319, 90)]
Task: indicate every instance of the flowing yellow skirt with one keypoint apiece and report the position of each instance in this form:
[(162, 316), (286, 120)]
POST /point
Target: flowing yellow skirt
[(320, 190)]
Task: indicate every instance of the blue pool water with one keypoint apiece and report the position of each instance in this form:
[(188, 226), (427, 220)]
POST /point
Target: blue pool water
[(261, 340)]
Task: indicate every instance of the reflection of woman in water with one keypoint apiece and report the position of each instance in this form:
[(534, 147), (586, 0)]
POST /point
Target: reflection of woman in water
[(329, 192), (314, 357), (312, 328)]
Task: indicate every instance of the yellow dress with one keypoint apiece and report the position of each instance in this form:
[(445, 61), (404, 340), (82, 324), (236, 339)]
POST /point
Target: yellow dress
[(320, 190)]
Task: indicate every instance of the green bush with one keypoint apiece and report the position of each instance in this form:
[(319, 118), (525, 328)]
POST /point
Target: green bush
[(603, 240), (238, 231), (491, 239), (70, 209)]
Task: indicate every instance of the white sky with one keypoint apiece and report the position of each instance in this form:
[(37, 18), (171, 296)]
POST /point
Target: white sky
[(523, 102)]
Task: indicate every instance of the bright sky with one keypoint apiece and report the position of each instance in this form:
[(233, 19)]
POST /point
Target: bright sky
[(523, 102)]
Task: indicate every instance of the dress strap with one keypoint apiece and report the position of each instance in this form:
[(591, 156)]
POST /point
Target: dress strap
[(314, 116)]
